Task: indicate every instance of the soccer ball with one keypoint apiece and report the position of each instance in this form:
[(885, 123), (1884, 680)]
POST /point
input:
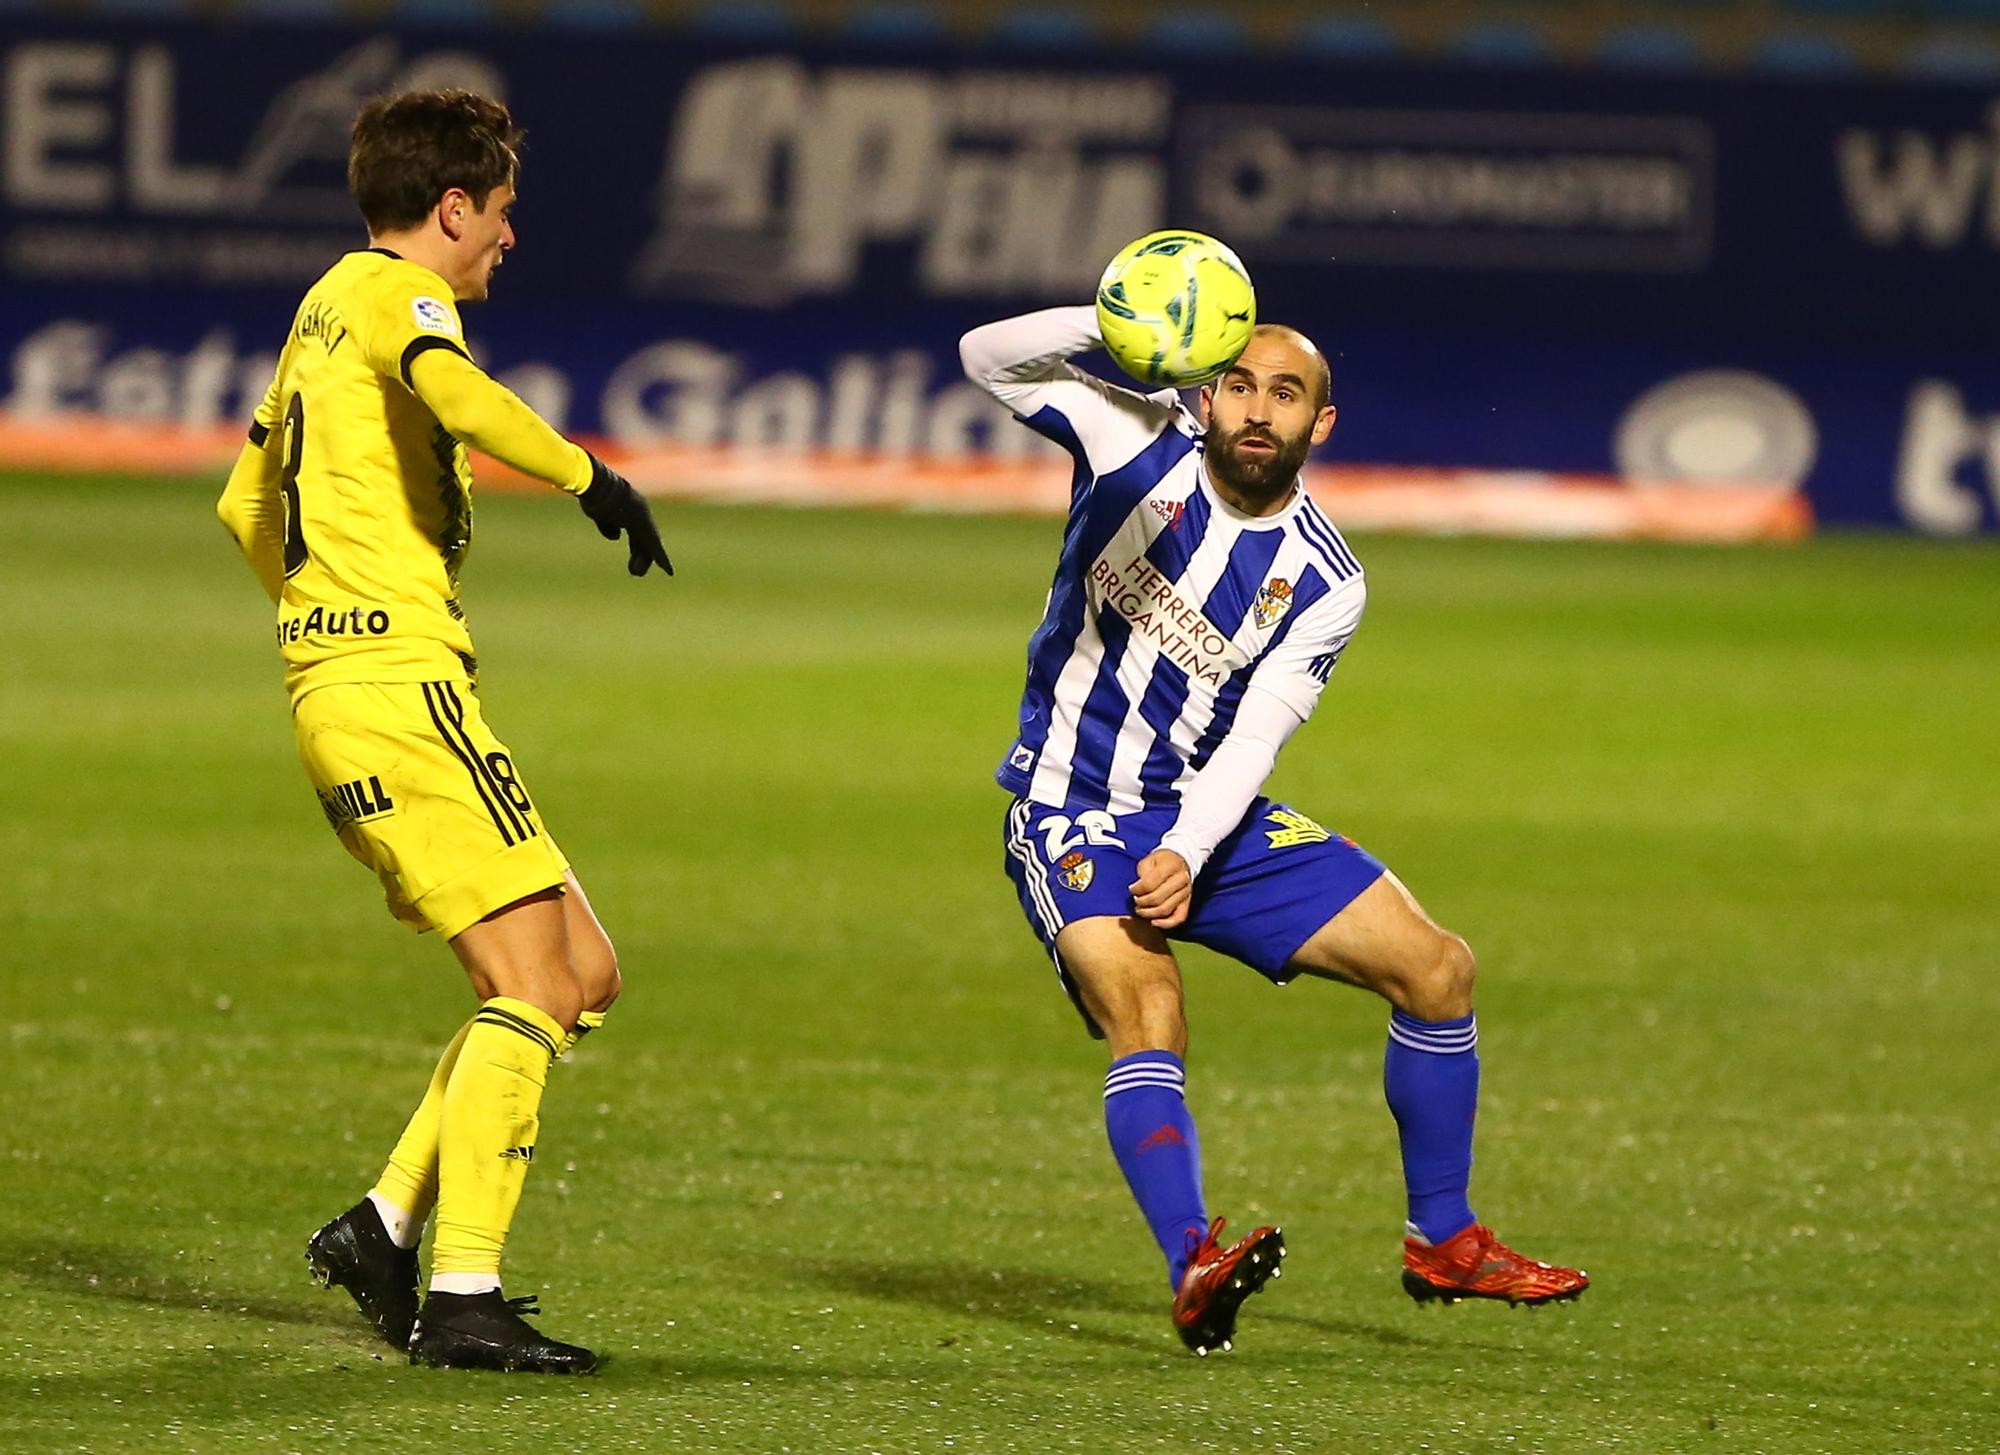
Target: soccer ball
[(1175, 308)]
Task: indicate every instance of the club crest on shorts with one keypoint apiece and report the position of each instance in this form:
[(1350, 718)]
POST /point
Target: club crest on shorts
[(1075, 871), (1274, 599), (1293, 828)]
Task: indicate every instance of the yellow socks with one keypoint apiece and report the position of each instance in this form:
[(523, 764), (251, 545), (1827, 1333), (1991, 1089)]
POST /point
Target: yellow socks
[(589, 1021), (408, 1185), (486, 1138)]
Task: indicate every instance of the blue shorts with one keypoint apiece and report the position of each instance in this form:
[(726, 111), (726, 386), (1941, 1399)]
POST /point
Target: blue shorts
[(1267, 889)]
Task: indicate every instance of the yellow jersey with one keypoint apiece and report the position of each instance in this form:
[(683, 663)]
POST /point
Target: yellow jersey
[(376, 494)]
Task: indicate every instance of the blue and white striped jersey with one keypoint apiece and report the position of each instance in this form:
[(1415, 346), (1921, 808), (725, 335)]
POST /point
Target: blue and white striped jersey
[(1169, 607)]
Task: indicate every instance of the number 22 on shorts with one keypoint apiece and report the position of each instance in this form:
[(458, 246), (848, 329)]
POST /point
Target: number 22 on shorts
[(1093, 826)]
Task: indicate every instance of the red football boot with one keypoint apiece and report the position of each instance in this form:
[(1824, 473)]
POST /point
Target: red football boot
[(1217, 1281), (1475, 1264)]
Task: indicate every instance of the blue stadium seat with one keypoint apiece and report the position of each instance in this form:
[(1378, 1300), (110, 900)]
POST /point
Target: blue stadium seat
[(1196, 32), (1803, 53), (1649, 48), (1343, 38), (595, 14), (759, 21), (897, 24), (1959, 9), (1952, 58), (1046, 30), (1501, 43), (291, 9), (445, 12)]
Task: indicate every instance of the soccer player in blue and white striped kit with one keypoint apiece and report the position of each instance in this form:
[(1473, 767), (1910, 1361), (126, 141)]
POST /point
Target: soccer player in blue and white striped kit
[(1199, 606)]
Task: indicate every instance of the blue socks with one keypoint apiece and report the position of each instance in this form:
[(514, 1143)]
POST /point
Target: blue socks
[(1153, 1137), (1431, 1078)]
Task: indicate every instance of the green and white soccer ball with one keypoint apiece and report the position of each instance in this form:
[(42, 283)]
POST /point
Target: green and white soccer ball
[(1176, 308)]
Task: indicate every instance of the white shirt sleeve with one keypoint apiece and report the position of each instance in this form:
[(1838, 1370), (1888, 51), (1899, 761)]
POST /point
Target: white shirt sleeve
[(1024, 363), (1282, 694), (1233, 776)]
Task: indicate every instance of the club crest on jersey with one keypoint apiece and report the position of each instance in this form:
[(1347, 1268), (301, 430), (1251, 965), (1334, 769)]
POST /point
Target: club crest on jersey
[(433, 317), (1171, 511), (1075, 871), (1274, 599)]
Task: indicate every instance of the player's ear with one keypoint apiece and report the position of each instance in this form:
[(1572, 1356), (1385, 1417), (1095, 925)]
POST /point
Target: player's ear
[(453, 208), (1207, 399), (1323, 426)]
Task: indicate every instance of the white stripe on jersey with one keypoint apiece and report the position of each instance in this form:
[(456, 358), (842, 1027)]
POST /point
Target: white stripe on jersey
[(1166, 601), (1177, 608)]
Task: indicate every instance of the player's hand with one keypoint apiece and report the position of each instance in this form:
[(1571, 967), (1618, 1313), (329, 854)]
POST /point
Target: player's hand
[(1161, 892), (615, 507)]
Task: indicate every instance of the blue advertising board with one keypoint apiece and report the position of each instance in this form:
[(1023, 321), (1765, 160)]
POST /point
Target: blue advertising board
[(1661, 278)]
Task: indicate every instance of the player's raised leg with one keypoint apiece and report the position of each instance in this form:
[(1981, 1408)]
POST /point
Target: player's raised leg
[(592, 958), (1127, 981), (1384, 941), (519, 961), (371, 1249)]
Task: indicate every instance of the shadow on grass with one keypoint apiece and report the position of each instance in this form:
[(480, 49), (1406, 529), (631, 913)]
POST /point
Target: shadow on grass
[(1044, 1304), (94, 1271), (1030, 1300)]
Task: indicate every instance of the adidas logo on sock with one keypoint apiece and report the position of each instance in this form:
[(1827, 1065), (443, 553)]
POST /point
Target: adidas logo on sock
[(521, 1154)]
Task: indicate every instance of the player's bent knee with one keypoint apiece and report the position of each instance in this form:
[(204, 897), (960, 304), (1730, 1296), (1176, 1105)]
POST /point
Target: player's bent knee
[(549, 988), (1443, 991), (598, 980), (1152, 1019)]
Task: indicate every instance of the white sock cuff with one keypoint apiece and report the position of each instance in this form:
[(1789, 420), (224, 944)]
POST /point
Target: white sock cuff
[(465, 1282), (403, 1230), (1131, 1076)]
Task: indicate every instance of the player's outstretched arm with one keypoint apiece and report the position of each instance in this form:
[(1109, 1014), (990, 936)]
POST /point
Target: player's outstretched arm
[(1024, 363), (253, 512), (489, 416)]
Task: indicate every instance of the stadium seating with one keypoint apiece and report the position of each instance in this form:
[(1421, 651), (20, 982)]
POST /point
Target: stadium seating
[(448, 12), (597, 14), (1802, 53), (1649, 48), (1501, 43), (1045, 30), (1953, 58), (1345, 38), (1194, 32), (897, 24), (746, 20)]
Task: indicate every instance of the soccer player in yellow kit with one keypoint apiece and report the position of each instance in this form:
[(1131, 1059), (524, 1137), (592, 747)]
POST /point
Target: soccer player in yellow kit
[(352, 502)]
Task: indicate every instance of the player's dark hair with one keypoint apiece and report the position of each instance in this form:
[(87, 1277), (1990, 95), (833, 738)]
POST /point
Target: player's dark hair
[(409, 149)]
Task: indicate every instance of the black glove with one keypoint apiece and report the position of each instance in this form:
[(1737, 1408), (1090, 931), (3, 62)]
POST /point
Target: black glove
[(614, 506)]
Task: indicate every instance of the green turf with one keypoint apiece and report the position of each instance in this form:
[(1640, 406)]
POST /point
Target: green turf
[(1721, 825)]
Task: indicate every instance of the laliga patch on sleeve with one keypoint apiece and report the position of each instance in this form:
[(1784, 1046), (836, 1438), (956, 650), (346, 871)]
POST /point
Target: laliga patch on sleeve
[(434, 317)]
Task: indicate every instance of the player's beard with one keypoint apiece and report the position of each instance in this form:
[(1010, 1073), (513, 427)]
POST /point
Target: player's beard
[(1259, 476)]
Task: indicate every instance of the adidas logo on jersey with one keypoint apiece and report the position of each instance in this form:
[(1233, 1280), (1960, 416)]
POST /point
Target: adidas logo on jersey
[(1170, 511)]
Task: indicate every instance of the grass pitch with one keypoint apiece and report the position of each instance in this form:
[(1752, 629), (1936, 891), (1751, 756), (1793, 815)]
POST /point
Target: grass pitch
[(1721, 825)]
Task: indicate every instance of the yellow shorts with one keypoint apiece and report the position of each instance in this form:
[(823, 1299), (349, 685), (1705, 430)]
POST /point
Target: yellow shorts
[(420, 791)]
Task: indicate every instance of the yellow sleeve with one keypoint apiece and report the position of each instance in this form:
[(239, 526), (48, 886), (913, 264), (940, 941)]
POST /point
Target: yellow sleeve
[(254, 513), (489, 416), (272, 409)]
